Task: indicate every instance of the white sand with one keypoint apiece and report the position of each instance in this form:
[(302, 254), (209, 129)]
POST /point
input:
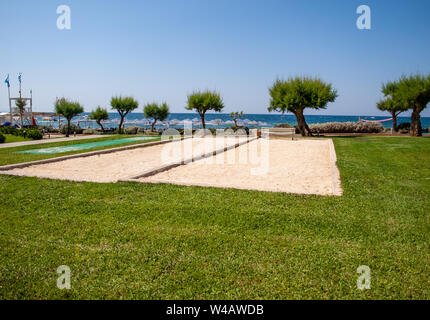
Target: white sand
[(115, 166), (303, 166)]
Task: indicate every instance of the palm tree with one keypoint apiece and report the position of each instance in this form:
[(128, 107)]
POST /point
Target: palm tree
[(20, 104)]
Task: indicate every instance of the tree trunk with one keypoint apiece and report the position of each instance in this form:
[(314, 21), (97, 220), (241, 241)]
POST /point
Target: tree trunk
[(68, 128), (307, 128), (235, 122), (22, 122), (202, 116), (416, 130), (120, 124), (152, 126), (101, 126), (301, 122), (393, 113)]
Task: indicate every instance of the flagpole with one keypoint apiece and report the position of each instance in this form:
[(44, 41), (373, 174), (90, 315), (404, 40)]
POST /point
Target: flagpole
[(10, 103), (20, 79)]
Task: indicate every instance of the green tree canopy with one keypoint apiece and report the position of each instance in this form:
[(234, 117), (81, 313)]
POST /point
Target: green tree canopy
[(412, 92), (296, 94), (203, 102), (124, 105), (99, 115), (68, 109), (156, 112), (393, 107)]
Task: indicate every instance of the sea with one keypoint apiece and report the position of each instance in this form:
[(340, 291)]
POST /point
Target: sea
[(220, 120)]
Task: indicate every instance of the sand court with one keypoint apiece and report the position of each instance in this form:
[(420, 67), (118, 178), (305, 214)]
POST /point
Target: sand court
[(276, 165), (121, 165), (301, 166)]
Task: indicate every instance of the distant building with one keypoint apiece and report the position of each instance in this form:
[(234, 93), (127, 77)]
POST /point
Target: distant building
[(4, 117)]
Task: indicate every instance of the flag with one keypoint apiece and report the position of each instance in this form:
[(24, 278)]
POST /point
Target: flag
[(20, 77), (7, 81)]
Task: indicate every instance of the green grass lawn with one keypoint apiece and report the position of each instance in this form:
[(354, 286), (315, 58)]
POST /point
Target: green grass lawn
[(12, 138), (10, 155), (129, 240)]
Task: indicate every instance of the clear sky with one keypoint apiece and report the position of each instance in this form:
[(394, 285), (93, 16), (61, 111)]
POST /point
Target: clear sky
[(163, 50)]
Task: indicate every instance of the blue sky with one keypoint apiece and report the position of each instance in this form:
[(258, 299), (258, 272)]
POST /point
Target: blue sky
[(163, 50)]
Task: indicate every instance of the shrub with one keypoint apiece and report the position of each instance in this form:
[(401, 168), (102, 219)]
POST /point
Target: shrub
[(283, 125), (2, 138), (404, 126), (347, 127), (181, 131), (133, 130), (89, 131), (239, 128), (9, 130), (34, 134), (73, 128), (47, 129), (152, 133)]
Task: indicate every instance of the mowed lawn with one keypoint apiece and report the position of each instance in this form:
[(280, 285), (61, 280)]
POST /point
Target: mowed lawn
[(12, 138), (137, 241)]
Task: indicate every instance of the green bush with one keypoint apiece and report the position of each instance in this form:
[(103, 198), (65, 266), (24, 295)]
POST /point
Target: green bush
[(152, 133), (73, 128), (404, 126), (283, 125), (239, 128), (347, 127), (10, 130), (133, 130), (34, 134), (2, 138), (47, 129), (89, 131)]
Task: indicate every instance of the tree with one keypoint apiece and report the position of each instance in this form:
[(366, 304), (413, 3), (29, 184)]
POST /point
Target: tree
[(393, 107), (124, 105), (20, 104), (236, 116), (68, 110), (99, 115), (156, 112), (412, 92), (296, 94), (203, 102), (391, 104)]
